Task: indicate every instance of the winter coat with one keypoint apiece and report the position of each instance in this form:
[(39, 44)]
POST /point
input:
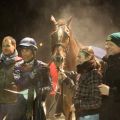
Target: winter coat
[(111, 104), (34, 79), (87, 98), (6, 77)]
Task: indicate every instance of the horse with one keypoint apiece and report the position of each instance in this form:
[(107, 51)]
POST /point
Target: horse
[(64, 51), (65, 85), (62, 34)]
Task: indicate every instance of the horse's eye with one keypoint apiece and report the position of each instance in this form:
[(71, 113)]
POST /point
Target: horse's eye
[(65, 36), (67, 31), (54, 37)]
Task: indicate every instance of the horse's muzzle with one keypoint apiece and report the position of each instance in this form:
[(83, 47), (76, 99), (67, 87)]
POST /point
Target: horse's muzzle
[(58, 59)]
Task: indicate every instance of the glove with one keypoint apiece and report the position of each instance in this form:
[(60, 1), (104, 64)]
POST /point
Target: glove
[(61, 77)]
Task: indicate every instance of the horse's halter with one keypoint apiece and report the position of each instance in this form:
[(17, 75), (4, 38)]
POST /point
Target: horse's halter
[(61, 34)]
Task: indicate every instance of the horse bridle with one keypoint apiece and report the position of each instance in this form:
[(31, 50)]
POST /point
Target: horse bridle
[(59, 28)]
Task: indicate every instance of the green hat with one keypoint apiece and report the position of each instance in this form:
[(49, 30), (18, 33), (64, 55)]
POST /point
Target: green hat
[(115, 38)]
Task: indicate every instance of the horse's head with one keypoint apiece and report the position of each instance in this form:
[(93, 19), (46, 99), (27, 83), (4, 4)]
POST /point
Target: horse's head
[(58, 55), (61, 33), (60, 38)]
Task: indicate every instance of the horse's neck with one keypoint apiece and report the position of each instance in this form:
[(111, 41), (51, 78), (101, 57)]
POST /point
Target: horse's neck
[(72, 54)]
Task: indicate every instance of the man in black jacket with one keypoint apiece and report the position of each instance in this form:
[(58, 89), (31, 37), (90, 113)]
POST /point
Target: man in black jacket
[(111, 87), (8, 100)]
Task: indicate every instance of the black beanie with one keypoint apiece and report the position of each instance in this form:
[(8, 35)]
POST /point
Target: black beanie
[(115, 38)]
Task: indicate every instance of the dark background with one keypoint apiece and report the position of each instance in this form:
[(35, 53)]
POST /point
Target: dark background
[(92, 20)]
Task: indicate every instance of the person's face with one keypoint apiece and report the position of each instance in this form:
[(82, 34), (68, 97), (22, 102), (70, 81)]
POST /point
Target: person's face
[(26, 54), (7, 47), (111, 48), (82, 57)]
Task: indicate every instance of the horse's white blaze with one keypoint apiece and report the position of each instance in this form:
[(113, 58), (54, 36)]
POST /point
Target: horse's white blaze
[(60, 34)]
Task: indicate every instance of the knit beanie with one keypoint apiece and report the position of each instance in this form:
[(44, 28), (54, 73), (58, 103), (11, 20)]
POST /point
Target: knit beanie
[(115, 38)]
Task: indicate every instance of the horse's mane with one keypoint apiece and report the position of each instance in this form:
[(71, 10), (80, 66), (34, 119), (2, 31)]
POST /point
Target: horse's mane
[(72, 52)]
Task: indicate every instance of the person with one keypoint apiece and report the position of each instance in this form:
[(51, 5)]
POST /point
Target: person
[(8, 100), (87, 97), (32, 75), (111, 87)]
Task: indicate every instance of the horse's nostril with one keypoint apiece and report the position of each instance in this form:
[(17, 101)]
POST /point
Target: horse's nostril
[(59, 59)]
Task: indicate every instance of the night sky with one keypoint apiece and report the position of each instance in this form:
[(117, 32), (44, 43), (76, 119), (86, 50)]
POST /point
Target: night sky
[(92, 20)]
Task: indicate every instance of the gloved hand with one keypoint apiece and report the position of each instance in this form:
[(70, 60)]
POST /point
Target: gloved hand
[(61, 77), (13, 86)]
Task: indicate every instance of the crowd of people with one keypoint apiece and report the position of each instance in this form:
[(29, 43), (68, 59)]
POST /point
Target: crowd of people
[(97, 87)]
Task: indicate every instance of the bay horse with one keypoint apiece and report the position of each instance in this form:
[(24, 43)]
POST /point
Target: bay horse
[(64, 50)]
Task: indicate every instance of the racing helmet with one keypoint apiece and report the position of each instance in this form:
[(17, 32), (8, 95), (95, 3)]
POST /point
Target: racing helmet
[(28, 42)]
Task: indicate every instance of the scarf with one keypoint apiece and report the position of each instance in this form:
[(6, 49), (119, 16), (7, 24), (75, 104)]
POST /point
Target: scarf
[(8, 60)]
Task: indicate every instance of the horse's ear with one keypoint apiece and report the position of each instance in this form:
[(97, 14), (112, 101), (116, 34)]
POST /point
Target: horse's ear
[(53, 19), (69, 21)]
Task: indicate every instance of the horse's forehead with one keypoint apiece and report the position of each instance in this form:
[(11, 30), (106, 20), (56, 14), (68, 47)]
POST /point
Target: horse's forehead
[(61, 22), (60, 34), (63, 30)]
